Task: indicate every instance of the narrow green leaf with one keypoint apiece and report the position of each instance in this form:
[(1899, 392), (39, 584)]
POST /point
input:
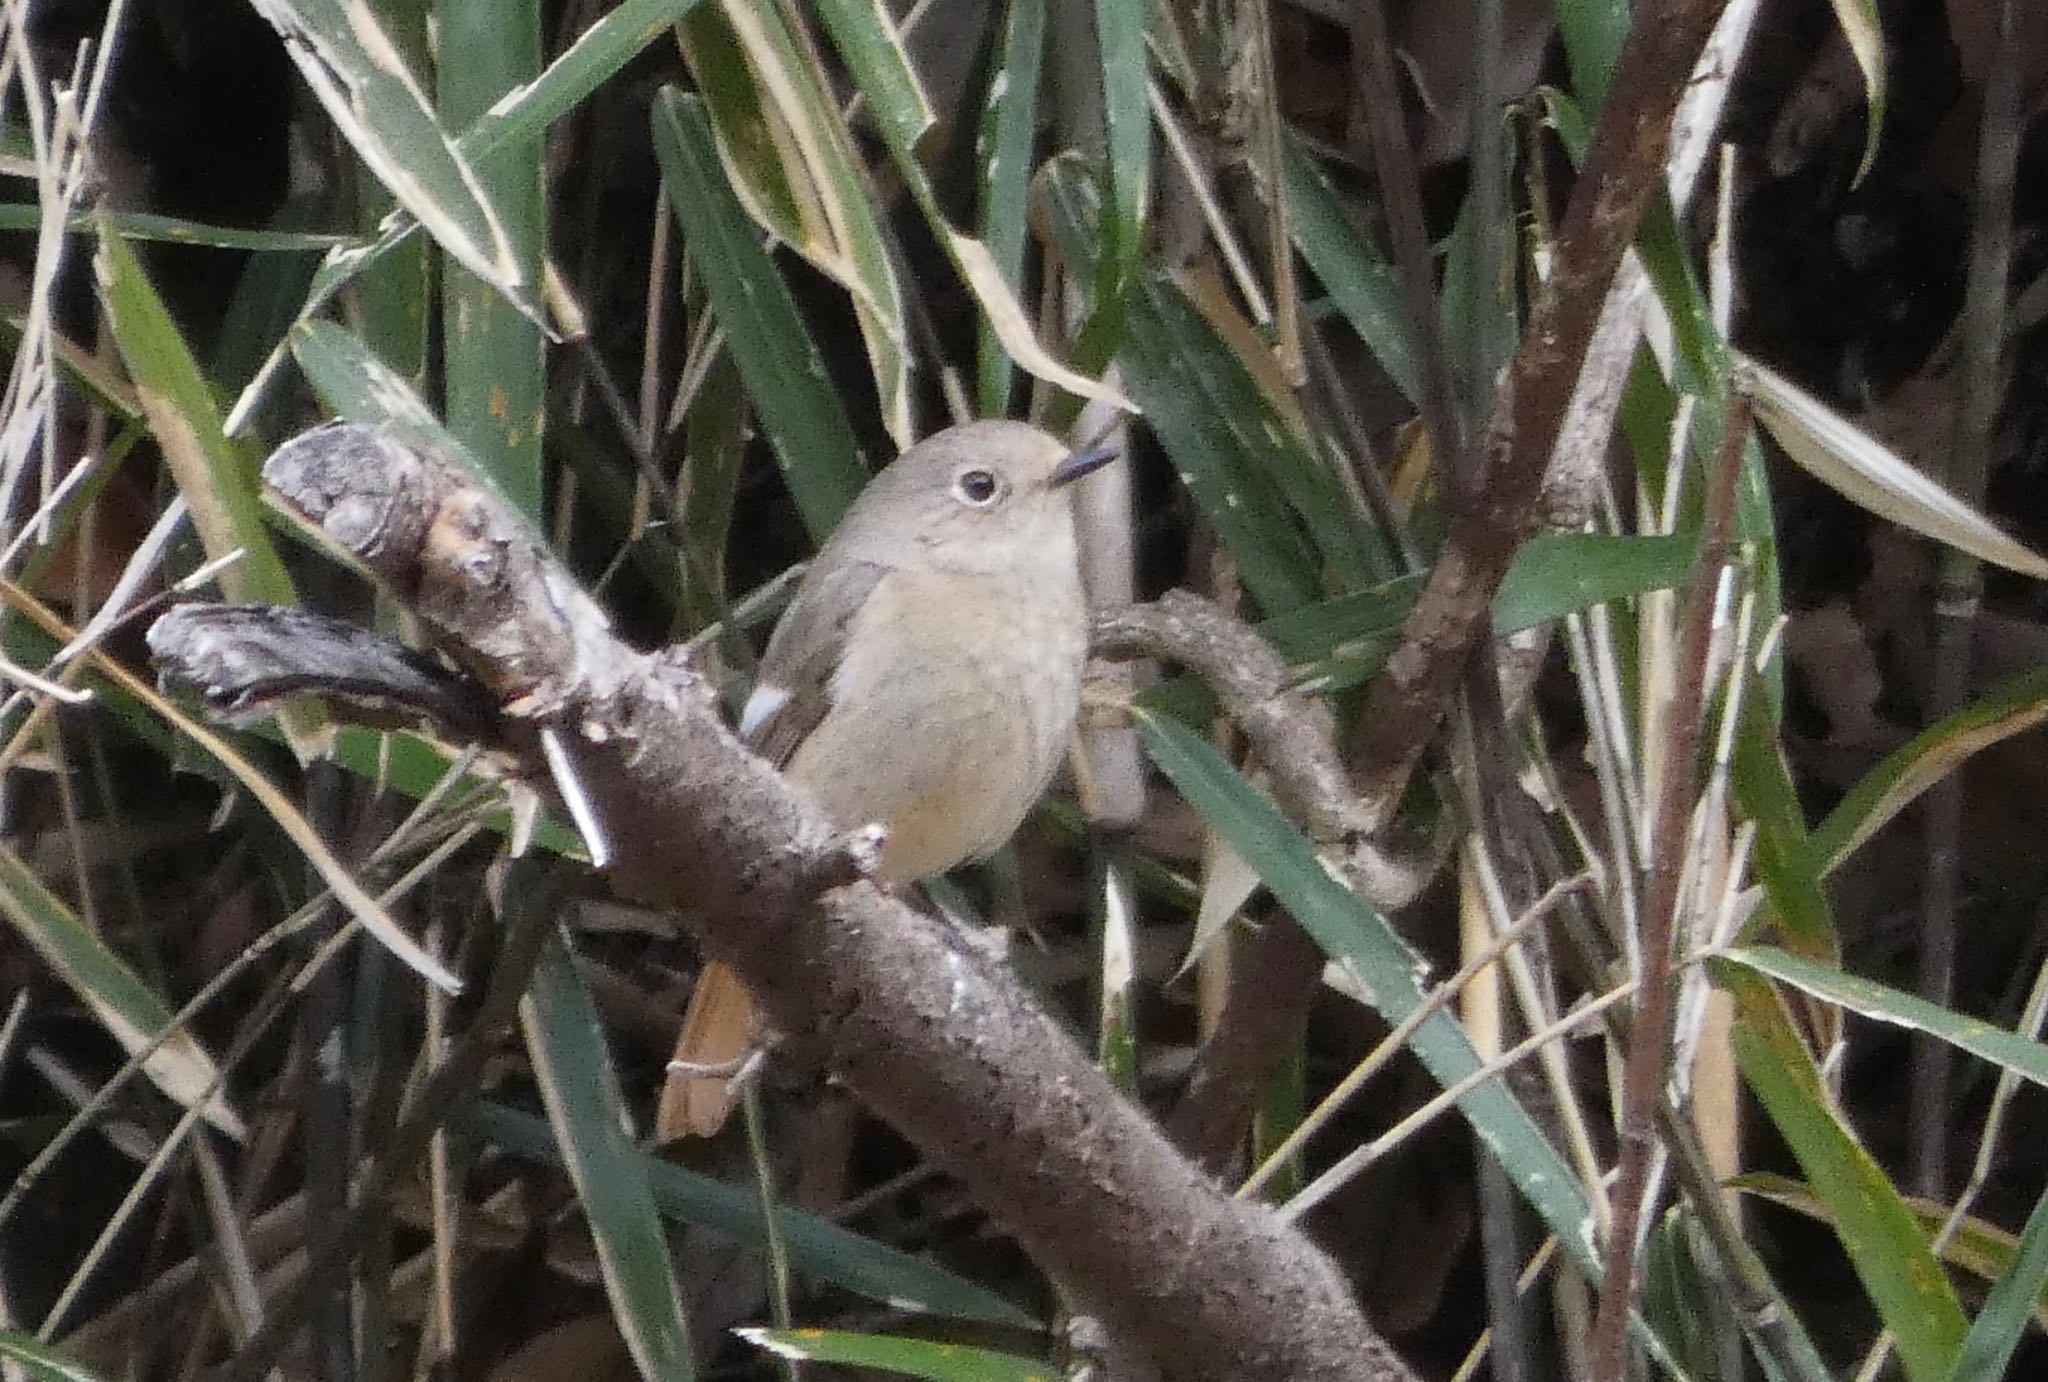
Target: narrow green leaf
[(2015, 706), (588, 1115), (1364, 286), (1357, 937), (875, 57), (1126, 131), (130, 1010), (908, 1357), (492, 363), (790, 161), (44, 1364), (1004, 151), (217, 478), (1995, 1334), (817, 1246), (1984, 1250), (784, 374), (1559, 573), (2006, 1049), (598, 53), (866, 38), (353, 69), (175, 230), (1871, 475), (1885, 1245)]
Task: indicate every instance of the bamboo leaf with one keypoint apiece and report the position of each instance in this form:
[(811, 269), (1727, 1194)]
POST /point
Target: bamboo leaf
[(130, 1010), (817, 1246), (1885, 1246), (2014, 707), (1868, 473), (2006, 1049), (2013, 1303), (790, 161), (1004, 150), (356, 73), (907, 1357), (216, 477), (492, 366), (1383, 966), (784, 374), (588, 1115), (1364, 286)]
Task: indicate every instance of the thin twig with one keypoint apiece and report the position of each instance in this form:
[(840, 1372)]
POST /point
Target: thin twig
[(1960, 585), (1646, 1062)]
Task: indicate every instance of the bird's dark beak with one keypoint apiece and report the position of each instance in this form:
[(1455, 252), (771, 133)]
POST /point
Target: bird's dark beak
[(1082, 463)]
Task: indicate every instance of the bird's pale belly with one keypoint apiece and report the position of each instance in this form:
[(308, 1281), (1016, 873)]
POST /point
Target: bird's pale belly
[(970, 740)]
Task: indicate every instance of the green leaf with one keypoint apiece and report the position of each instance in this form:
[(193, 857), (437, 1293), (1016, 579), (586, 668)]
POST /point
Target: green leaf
[(866, 38), (598, 53), (1004, 150), (1560, 573), (588, 1115), (910, 1357), (1593, 32), (1126, 133), (1996, 1332), (1984, 1250), (2015, 706), (789, 160), (217, 479), (2006, 1049), (174, 230), (1357, 937), (784, 374), (817, 1246), (44, 1363), (125, 1005), (877, 62), (1365, 288), (1884, 1243), (1871, 475), (493, 370), (353, 69)]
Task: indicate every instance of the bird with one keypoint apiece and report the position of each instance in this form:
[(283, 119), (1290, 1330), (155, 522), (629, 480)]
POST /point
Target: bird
[(925, 678)]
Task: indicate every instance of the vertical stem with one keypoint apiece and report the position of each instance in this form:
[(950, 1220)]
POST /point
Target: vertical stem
[(1644, 1069), (1959, 586)]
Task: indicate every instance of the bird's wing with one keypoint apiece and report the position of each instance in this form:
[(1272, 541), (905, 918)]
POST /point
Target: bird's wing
[(792, 693)]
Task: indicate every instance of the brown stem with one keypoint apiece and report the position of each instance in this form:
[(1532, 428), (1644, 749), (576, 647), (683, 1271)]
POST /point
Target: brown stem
[(1646, 1060), (1624, 164)]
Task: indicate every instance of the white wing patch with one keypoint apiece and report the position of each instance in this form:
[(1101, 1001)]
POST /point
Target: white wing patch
[(762, 706)]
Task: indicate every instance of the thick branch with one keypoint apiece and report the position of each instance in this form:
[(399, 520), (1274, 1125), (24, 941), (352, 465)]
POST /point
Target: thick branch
[(931, 1034)]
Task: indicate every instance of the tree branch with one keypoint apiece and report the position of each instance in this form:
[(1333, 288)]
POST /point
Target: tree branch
[(930, 1033)]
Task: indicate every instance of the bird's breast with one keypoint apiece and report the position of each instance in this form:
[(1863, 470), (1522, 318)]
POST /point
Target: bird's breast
[(948, 713)]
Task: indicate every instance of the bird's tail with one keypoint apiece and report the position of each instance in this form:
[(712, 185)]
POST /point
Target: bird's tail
[(718, 1030)]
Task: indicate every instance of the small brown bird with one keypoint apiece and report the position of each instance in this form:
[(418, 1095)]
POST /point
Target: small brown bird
[(925, 678)]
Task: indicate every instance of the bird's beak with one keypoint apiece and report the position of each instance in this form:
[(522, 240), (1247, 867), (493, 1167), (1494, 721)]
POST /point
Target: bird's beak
[(1081, 463)]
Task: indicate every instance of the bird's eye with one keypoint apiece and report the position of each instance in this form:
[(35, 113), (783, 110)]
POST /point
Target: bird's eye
[(976, 487)]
